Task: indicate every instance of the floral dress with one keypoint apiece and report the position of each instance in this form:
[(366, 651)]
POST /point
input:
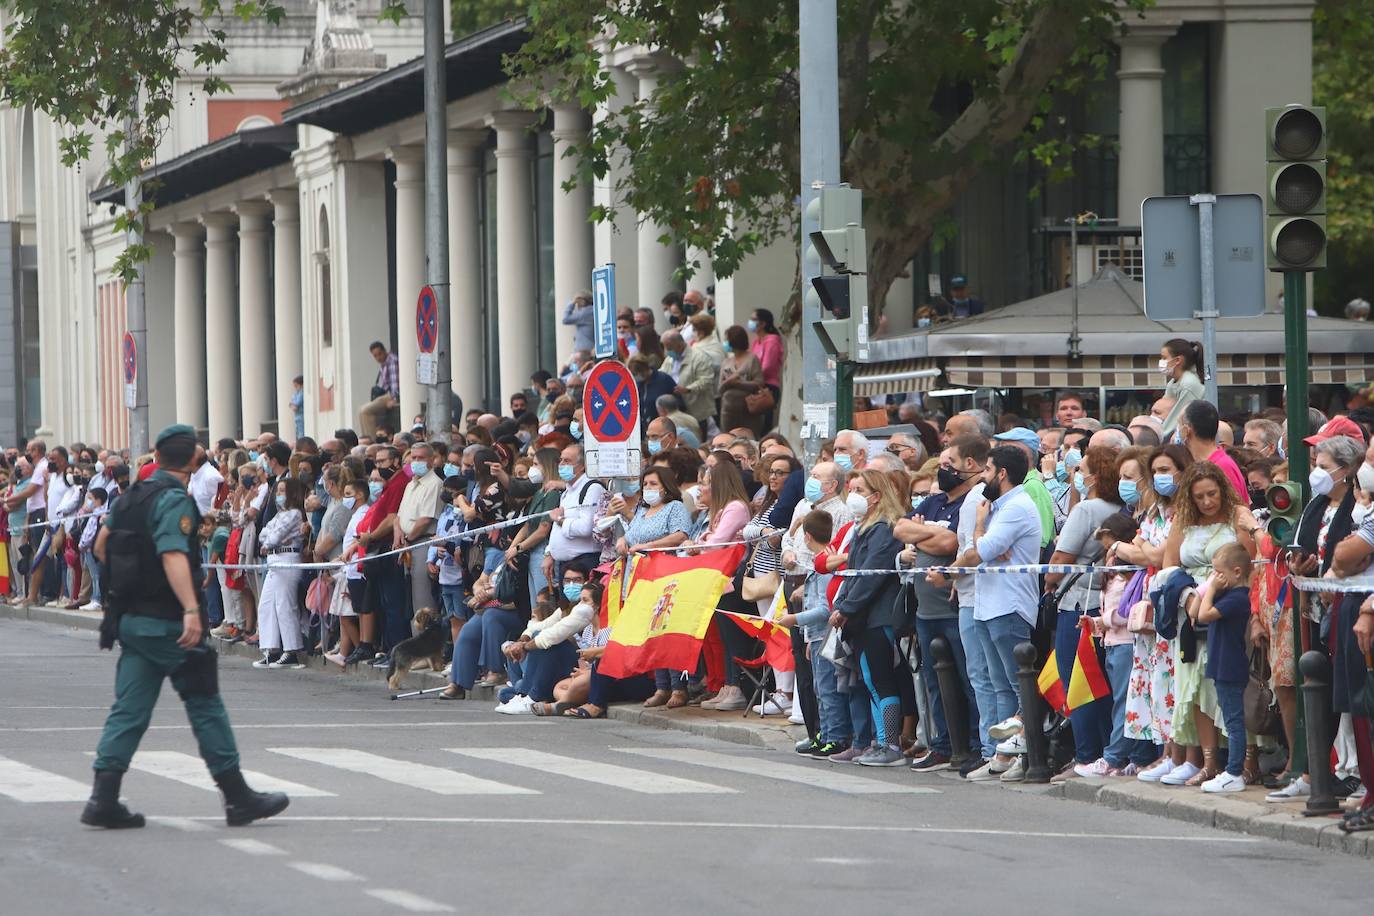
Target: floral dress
[(1196, 692), (1150, 693)]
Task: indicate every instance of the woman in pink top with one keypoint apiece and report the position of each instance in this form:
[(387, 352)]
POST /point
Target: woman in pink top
[(722, 488), (767, 346)]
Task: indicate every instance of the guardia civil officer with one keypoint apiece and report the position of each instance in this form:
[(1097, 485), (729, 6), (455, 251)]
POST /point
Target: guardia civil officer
[(154, 607)]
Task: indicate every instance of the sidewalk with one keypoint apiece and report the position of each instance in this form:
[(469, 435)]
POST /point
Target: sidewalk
[(1243, 812)]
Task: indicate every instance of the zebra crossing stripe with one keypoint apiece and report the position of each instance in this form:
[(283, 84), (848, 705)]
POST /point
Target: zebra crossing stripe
[(605, 774), (821, 776), (189, 769), (24, 783), (402, 772)]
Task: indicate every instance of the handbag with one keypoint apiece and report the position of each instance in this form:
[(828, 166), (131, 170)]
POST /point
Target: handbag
[(761, 401), (759, 588), (1261, 718), (834, 649), (504, 584), (319, 595), (1141, 618)]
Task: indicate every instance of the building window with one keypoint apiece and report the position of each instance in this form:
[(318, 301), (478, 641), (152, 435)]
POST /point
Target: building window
[(1187, 112), (322, 267)]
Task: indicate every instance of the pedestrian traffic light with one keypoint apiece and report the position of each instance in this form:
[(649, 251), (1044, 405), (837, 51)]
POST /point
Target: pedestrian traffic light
[(1296, 196), (1284, 501), (842, 298)]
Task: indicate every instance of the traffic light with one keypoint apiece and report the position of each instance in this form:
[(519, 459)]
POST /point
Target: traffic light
[(842, 298), (1285, 506), (1295, 228)]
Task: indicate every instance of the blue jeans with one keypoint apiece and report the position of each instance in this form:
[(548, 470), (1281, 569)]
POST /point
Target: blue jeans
[(480, 643), (980, 679), (1120, 749), (536, 574), (999, 637), (833, 706), (1092, 724), (92, 567), (670, 680), (1231, 697), (546, 667), (455, 607), (926, 631)]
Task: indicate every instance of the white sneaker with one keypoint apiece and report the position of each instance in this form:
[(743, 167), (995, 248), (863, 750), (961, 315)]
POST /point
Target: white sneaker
[(91, 606), (1295, 790), (264, 662), (1006, 728), (1156, 772), (775, 705), (1017, 773), (448, 669), (730, 699), (989, 772), (1224, 782), (1180, 774), (796, 718), (1013, 746), (519, 705)]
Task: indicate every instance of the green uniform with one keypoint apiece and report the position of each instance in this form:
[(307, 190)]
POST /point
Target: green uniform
[(148, 633)]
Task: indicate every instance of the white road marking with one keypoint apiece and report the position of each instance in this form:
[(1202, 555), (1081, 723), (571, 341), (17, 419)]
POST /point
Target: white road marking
[(408, 901), (181, 823), (819, 777), (291, 725), (24, 783), (751, 825), (189, 769), (606, 774), (324, 871), (402, 772), (253, 847)]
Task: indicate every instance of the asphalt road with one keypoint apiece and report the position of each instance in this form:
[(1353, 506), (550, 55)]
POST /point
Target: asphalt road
[(423, 806)]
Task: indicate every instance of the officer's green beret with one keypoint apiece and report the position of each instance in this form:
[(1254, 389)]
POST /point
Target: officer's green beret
[(175, 431)]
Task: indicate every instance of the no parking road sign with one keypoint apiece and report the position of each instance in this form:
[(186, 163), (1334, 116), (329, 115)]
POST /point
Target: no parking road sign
[(427, 336), (611, 412)]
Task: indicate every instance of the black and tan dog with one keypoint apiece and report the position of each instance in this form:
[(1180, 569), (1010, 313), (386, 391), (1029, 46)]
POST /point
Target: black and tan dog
[(427, 644)]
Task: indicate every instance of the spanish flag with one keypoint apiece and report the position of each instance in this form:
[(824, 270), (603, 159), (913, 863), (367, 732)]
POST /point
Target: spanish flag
[(1087, 682), (4, 556), (777, 639), (1051, 687), (611, 602), (670, 606)]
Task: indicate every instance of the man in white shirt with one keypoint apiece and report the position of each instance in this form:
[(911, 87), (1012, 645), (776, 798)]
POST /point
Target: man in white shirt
[(205, 482), (571, 539), (419, 509)]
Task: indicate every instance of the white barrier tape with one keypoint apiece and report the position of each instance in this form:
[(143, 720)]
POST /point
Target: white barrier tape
[(54, 522), (1333, 586), (1047, 568)]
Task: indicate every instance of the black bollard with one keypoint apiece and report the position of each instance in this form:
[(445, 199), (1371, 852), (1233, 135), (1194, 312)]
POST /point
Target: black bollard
[(1316, 698), (952, 699), (1032, 714)]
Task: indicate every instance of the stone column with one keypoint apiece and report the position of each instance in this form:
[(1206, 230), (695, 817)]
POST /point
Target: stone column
[(221, 326), (572, 233), (614, 240), (286, 303), (704, 273), (188, 322), (465, 152), (515, 251), (657, 260), (410, 270), (255, 331), (1140, 164)]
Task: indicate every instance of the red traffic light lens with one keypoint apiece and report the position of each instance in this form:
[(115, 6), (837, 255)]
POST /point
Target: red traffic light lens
[(1281, 500)]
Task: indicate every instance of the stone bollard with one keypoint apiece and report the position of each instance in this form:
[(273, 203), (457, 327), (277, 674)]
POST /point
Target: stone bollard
[(1032, 714), (1316, 697), (952, 699)]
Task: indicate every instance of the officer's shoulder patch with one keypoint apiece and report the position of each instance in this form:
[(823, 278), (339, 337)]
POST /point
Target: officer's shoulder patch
[(186, 524)]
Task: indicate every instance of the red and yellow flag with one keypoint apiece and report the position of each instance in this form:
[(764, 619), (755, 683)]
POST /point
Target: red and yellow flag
[(1051, 687), (668, 610), (1087, 682), (611, 602), (777, 639)]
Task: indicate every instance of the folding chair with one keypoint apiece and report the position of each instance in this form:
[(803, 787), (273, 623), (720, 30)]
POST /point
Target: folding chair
[(760, 675)]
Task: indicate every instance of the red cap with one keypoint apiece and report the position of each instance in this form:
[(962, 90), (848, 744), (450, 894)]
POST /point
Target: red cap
[(1338, 425), (148, 470)]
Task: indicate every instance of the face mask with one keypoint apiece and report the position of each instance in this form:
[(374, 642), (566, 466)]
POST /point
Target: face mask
[(536, 475), (565, 473), (813, 490), (374, 488), (524, 436), (631, 487), (674, 355), (248, 480), (922, 322), (655, 446), (726, 348), (1165, 486), (1365, 476), (1080, 486), (99, 468), (1072, 458), (349, 502), (948, 479), (1178, 438), (281, 501), (689, 333), (916, 503), (1283, 453), (1321, 481), (386, 472), (752, 325), (452, 470), (844, 461), (1127, 490), (1061, 472), (572, 590), (675, 320), (252, 456), (1256, 498), (575, 429), (1164, 366), (418, 468), (652, 497)]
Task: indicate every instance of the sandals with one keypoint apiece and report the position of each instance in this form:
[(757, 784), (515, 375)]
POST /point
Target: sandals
[(660, 698), (489, 681), (1357, 820), (580, 712), (677, 700), (460, 693), (1202, 775)]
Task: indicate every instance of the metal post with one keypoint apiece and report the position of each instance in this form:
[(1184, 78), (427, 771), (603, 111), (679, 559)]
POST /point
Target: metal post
[(1316, 699), (820, 165), (952, 699), (1295, 372), (1208, 312), (1032, 714), (1074, 339), (137, 319), (438, 416)]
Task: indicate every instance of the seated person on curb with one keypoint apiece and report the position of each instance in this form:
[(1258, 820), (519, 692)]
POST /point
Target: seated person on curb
[(547, 648)]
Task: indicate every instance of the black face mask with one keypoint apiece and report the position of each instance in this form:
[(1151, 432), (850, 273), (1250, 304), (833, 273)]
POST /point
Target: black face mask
[(248, 480), (1257, 499), (948, 479), (993, 491), (386, 472), (675, 320)]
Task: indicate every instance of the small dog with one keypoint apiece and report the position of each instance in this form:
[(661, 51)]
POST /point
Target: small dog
[(427, 644)]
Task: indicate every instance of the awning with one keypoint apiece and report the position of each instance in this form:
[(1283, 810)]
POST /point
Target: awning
[(1141, 370), (214, 165), (895, 377)]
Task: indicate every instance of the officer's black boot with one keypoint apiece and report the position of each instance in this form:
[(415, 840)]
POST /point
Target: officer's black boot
[(104, 808), (242, 805)]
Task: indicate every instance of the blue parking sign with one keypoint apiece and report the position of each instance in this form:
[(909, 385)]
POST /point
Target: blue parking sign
[(603, 310)]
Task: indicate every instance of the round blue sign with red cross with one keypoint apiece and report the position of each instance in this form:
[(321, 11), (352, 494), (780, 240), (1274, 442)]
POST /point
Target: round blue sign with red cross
[(612, 402), (427, 320), (130, 360)]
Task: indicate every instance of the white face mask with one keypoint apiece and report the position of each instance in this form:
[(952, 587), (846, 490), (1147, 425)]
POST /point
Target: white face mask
[(689, 333), (1366, 477), (536, 474), (652, 497), (1164, 366), (1320, 481)]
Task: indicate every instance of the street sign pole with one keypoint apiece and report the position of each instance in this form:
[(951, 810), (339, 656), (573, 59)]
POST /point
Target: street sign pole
[(137, 321), (1208, 314), (1295, 402), (438, 415), (820, 166)]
